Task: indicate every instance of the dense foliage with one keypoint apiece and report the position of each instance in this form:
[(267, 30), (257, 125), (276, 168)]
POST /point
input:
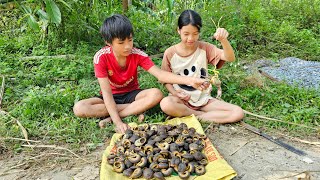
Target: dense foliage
[(40, 92)]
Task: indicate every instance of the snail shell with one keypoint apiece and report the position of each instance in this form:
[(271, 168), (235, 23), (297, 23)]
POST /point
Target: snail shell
[(146, 127), (200, 170), (182, 167), (148, 149), (118, 166), (184, 160), (111, 161), (169, 127), (180, 141), (119, 158), (191, 167), (143, 162), (151, 142), (168, 140), (185, 132), (154, 127), (175, 161), (186, 146), (167, 172), (150, 158), (165, 153), (162, 160), (195, 137), (163, 146), (172, 133), (162, 166), (151, 132), (176, 153), (202, 136), (215, 81), (120, 150), (127, 134), (147, 173), (158, 175), (203, 162), (193, 146), (192, 130), (173, 147), (188, 156), (184, 175), (111, 156), (128, 163), (134, 158), (189, 140), (136, 173), (127, 172), (156, 150), (154, 167), (133, 138), (135, 129), (126, 143), (158, 139), (198, 155), (140, 141), (184, 126)]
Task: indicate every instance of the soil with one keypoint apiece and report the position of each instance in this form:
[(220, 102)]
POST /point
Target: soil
[(252, 156)]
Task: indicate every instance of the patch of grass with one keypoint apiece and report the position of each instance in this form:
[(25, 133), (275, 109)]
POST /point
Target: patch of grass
[(41, 93)]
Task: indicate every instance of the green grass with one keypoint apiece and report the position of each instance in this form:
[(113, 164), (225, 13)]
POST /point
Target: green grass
[(41, 93)]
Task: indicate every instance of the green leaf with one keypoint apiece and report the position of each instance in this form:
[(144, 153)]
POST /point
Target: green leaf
[(53, 12), (66, 4), (42, 14), (26, 9), (33, 23)]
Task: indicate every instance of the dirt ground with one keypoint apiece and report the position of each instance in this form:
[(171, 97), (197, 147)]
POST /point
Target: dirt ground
[(253, 158)]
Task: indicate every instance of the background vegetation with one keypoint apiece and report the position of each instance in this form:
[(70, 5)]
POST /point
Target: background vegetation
[(41, 91)]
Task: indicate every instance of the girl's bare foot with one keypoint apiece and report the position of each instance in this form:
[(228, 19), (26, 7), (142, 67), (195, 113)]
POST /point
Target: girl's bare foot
[(103, 123)]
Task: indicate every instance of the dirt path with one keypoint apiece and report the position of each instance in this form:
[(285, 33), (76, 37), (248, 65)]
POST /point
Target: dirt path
[(252, 156)]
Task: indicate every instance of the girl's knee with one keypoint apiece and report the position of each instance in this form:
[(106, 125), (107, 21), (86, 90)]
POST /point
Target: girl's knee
[(238, 114), (166, 103)]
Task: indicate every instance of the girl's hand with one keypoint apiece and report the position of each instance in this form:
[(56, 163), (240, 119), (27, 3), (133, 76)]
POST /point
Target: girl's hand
[(199, 83), (182, 95), (221, 34)]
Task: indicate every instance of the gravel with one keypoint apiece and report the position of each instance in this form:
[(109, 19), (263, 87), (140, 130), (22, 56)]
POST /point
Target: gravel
[(293, 71)]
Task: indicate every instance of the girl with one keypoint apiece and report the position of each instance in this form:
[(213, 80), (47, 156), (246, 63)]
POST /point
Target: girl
[(190, 57)]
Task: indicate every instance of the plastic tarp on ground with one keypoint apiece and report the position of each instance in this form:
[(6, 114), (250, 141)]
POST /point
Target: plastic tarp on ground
[(217, 167)]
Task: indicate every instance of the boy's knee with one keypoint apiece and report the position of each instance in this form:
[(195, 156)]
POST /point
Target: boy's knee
[(78, 109), (157, 94)]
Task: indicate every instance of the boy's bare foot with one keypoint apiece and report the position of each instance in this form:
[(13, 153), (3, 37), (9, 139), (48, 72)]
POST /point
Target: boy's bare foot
[(141, 118), (103, 123)]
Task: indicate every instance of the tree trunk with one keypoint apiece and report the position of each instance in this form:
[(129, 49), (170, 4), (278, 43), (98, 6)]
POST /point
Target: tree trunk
[(125, 6)]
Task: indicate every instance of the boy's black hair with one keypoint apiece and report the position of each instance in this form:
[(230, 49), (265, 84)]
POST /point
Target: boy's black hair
[(190, 17), (116, 26)]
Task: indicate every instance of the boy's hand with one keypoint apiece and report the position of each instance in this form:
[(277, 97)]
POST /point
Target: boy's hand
[(121, 127), (221, 34)]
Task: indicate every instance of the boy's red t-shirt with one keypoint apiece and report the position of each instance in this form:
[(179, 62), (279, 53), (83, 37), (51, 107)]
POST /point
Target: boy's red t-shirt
[(122, 80)]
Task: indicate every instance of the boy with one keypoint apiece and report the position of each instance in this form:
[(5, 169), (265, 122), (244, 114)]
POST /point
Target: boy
[(115, 66)]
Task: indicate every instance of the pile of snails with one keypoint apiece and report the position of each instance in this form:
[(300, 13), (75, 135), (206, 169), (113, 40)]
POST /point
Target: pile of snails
[(158, 151)]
